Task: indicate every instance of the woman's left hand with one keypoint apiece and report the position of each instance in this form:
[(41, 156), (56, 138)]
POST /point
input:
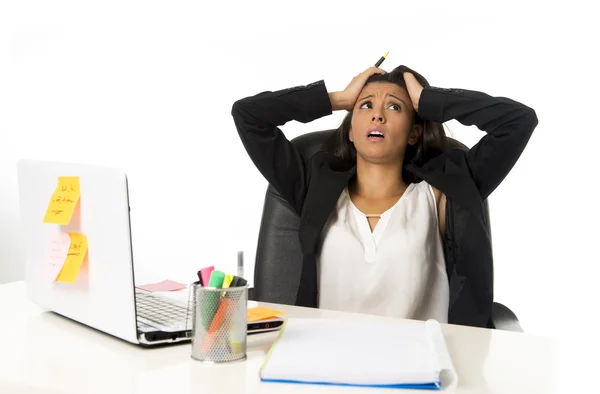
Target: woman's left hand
[(414, 89)]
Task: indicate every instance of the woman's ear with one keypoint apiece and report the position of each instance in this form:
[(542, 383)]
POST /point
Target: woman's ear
[(350, 136), (415, 134)]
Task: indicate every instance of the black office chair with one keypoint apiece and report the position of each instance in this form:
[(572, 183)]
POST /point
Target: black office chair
[(278, 253)]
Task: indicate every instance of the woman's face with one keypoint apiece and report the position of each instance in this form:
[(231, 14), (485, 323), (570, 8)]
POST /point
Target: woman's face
[(381, 125)]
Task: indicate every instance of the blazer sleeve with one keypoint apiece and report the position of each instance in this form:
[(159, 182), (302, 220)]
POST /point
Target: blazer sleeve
[(257, 119), (508, 124)]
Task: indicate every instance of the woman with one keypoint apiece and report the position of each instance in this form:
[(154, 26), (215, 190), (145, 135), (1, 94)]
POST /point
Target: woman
[(391, 219)]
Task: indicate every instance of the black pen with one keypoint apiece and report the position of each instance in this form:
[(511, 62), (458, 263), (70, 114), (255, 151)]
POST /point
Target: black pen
[(381, 60)]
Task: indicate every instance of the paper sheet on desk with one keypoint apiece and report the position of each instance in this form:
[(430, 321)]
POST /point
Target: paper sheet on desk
[(165, 285)]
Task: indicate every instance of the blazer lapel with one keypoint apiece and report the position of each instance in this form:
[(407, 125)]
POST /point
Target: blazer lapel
[(321, 198)]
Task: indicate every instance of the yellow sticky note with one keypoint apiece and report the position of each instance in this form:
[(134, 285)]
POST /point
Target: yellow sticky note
[(261, 313), (63, 201), (75, 256)]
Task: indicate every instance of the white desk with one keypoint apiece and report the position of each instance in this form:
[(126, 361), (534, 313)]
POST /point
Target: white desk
[(45, 353)]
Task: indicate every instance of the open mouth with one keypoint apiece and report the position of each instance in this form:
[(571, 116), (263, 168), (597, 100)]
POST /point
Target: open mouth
[(375, 136)]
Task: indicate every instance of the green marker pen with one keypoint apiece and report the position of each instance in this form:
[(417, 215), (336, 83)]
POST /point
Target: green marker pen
[(211, 298)]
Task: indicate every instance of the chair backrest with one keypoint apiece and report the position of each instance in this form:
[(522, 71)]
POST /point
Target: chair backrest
[(278, 252)]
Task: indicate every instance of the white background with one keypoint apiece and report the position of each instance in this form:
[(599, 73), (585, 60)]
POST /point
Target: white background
[(148, 86)]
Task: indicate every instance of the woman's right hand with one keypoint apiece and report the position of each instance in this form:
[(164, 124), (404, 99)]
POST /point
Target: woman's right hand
[(347, 98)]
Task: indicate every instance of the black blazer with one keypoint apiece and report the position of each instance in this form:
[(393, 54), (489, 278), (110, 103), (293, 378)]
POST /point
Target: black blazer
[(313, 186)]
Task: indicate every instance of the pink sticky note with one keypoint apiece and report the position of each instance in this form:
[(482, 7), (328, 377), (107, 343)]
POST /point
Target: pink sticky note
[(165, 285), (205, 274), (59, 247)]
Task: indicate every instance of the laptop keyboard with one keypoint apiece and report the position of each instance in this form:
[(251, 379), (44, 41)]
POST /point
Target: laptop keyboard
[(157, 313)]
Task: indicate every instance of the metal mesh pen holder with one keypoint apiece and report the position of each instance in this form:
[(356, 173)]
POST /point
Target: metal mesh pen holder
[(219, 326)]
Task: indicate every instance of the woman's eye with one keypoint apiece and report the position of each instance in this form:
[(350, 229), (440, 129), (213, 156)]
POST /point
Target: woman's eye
[(369, 105)]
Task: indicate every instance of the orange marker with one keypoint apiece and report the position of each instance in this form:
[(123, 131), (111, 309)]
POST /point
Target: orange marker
[(224, 307)]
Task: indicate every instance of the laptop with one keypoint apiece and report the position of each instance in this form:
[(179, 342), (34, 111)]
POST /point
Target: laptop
[(104, 296)]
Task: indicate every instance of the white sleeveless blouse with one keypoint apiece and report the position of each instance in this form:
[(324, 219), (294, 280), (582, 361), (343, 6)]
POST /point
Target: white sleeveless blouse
[(397, 270)]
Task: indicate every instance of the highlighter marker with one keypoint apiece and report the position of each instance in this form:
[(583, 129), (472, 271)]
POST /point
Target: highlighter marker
[(225, 307), (234, 281), (242, 282), (381, 60), (226, 283), (205, 275), (211, 298)]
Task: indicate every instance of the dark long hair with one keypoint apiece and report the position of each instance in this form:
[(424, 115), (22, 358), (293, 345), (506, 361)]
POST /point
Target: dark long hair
[(431, 143)]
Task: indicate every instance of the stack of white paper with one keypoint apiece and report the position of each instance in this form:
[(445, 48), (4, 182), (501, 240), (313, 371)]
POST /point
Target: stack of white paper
[(395, 353)]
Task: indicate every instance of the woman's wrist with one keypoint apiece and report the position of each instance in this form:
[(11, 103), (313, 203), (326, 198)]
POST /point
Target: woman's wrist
[(339, 101)]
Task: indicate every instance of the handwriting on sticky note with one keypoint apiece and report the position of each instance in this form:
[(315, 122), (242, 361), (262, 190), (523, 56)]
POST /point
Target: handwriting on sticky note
[(63, 201), (261, 313), (59, 247), (77, 251), (165, 285)]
